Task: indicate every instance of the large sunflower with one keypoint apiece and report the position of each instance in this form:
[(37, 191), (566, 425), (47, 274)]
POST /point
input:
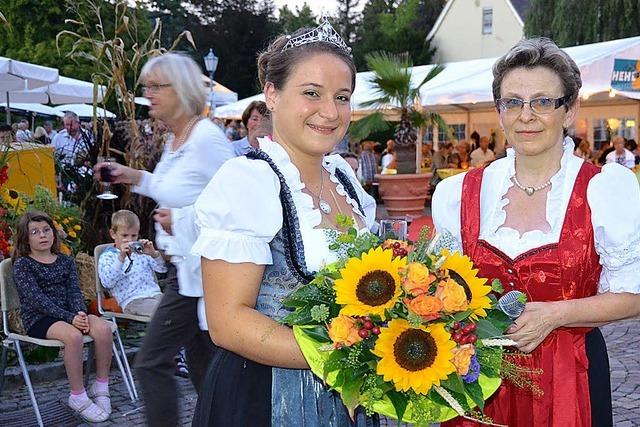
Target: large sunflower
[(371, 284), (414, 357), (460, 269)]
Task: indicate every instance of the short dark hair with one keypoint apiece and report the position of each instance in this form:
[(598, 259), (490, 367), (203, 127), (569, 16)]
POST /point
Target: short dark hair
[(261, 106), (539, 52), (22, 247), (275, 66)]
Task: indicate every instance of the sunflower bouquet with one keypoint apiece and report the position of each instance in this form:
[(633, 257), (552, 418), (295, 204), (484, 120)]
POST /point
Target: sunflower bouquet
[(404, 330)]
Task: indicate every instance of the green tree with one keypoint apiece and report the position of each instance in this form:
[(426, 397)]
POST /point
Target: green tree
[(599, 20), (392, 83), (348, 18), (34, 26), (290, 21), (397, 27), (238, 31)]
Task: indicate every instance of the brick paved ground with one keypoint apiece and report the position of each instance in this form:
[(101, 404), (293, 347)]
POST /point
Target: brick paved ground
[(15, 408)]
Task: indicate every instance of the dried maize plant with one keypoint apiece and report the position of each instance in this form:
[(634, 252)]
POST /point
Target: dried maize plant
[(118, 50)]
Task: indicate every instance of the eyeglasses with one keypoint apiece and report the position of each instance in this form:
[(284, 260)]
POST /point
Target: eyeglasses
[(154, 87), (45, 231), (542, 105)]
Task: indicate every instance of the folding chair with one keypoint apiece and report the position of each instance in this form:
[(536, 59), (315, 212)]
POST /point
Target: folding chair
[(113, 316), (9, 300)]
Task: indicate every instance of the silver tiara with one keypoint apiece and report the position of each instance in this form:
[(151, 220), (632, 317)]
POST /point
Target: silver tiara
[(322, 33)]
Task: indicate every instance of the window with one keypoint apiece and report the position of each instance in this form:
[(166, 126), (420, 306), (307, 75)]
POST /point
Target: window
[(605, 129), (457, 132), (487, 20)]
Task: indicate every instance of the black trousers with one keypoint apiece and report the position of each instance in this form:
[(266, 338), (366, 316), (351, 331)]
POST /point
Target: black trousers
[(174, 325)]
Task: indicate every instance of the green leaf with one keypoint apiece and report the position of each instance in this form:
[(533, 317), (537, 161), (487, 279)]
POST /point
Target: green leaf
[(486, 329), (453, 383), (351, 393), (318, 333), (522, 298), (496, 286), (475, 392), (340, 379), (399, 402), (462, 315)]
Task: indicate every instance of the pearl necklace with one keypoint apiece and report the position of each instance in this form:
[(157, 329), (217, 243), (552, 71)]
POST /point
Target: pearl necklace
[(530, 190), (180, 140), (322, 204)]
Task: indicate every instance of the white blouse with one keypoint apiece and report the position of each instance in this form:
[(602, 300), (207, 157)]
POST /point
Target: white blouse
[(176, 182), (239, 212), (613, 196)]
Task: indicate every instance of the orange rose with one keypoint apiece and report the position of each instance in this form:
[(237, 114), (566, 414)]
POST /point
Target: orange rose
[(417, 279), (452, 295), (462, 358), (343, 331), (425, 306)]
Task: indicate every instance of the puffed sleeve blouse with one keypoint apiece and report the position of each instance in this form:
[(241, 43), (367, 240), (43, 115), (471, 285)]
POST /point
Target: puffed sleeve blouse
[(239, 212), (613, 196)]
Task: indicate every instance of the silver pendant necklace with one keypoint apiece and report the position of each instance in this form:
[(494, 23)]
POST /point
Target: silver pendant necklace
[(530, 190), (322, 204)]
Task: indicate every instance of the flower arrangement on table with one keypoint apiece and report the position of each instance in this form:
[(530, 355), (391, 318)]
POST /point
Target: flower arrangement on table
[(404, 330)]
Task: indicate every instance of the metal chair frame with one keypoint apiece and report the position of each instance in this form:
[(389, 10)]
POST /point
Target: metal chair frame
[(9, 300)]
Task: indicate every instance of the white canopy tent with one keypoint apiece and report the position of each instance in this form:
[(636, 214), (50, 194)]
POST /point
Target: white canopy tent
[(85, 111), (17, 75), (467, 84), (234, 111), (66, 90), (33, 108)]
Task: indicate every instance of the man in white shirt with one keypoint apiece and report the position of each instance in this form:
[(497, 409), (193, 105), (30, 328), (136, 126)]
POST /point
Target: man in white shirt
[(482, 155), (72, 140), (23, 134), (620, 154)]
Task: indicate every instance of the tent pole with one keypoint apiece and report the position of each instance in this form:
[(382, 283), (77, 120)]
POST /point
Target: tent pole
[(8, 110)]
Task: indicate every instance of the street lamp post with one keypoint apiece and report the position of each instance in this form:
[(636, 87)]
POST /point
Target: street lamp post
[(211, 63)]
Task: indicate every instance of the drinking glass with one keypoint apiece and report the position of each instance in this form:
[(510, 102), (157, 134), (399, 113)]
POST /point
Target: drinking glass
[(393, 229), (106, 178)]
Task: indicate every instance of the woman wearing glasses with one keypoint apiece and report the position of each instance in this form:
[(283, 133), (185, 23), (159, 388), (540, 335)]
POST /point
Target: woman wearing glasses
[(556, 228), (173, 85)]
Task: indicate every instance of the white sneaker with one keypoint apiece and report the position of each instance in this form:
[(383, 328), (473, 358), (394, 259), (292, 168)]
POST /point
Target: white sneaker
[(88, 410), (102, 398)]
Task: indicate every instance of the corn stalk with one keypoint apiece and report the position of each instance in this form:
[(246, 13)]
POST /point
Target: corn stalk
[(118, 50)]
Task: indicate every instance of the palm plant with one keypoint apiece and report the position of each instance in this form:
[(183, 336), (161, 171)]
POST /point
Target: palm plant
[(397, 96)]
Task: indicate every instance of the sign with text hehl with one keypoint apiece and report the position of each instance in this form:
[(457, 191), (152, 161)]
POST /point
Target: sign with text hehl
[(626, 75)]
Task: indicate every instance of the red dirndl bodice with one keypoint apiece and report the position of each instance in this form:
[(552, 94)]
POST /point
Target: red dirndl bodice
[(565, 270)]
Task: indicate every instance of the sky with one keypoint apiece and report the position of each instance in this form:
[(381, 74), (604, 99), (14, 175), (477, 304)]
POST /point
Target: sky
[(318, 6)]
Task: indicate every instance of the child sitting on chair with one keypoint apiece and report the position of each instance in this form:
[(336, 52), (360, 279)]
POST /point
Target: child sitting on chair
[(126, 268), (129, 274), (52, 307)]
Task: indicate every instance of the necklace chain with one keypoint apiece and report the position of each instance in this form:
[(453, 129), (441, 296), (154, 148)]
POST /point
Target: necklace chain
[(322, 204), (529, 190)]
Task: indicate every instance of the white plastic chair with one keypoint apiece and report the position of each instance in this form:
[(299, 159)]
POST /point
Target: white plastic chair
[(9, 301)]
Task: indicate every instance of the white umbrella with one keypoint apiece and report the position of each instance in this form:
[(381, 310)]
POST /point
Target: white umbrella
[(34, 108), (84, 110), (17, 75), (65, 91)]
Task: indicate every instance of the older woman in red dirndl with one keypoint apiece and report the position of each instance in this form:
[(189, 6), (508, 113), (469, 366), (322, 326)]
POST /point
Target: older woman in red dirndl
[(562, 231)]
